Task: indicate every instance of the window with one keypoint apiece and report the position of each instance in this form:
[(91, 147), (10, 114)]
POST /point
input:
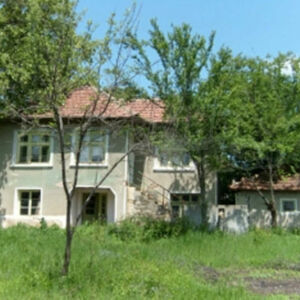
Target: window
[(172, 159), (288, 205), (94, 149), (179, 201), (29, 202), (32, 148)]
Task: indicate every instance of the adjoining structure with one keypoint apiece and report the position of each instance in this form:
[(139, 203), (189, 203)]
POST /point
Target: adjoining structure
[(287, 197), (30, 172)]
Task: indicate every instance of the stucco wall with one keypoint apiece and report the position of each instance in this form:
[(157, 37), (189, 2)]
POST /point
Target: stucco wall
[(153, 198), (153, 187), (48, 179), (259, 215)]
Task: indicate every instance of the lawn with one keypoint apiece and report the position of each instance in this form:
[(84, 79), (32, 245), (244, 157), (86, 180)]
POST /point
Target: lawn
[(194, 265)]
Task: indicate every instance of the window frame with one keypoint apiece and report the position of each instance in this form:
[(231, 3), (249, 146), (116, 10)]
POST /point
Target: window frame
[(181, 203), (17, 202), (282, 200), (102, 164), (158, 167), (16, 149)]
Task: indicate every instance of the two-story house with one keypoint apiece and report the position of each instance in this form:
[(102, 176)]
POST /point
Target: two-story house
[(162, 185)]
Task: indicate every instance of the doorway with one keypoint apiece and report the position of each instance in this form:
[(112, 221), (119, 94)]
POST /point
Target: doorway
[(96, 209)]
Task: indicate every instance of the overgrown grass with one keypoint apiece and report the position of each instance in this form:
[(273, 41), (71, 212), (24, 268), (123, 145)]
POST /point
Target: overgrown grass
[(137, 262)]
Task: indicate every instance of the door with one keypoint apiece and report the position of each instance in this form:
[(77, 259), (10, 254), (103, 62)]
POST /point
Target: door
[(96, 209)]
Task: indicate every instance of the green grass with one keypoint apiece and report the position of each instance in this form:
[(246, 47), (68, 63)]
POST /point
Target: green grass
[(194, 265)]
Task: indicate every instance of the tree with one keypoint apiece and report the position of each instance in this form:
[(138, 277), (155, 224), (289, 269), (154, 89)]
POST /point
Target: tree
[(195, 86), (268, 128), (43, 59)]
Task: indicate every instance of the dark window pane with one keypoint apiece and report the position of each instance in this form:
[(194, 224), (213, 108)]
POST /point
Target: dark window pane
[(186, 197), (24, 202), (25, 195), (24, 211), (175, 197), (24, 138), (195, 198), (45, 153), (23, 154), (175, 211), (91, 206), (288, 206), (45, 138), (35, 153), (36, 195), (103, 208)]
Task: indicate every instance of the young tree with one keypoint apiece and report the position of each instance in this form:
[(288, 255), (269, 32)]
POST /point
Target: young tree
[(268, 128), (195, 86), (43, 59)]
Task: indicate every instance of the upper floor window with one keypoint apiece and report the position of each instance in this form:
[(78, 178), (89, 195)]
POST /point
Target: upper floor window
[(94, 149), (32, 148), (172, 159)]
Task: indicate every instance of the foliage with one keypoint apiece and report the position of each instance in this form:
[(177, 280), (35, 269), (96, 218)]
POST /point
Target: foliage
[(147, 228), (165, 268), (267, 126), (197, 88), (42, 60), (41, 53)]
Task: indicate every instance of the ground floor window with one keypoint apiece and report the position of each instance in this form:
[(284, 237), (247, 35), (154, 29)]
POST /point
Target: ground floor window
[(288, 205), (96, 209), (180, 201), (29, 202)]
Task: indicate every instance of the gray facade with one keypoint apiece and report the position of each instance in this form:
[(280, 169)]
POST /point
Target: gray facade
[(138, 185)]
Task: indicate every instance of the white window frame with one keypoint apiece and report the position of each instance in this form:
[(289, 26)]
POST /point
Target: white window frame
[(157, 167), (17, 199), (287, 199), (15, 163), (103, 164)]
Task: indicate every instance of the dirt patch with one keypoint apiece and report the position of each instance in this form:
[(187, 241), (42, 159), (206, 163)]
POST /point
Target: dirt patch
[(263, 286), (210, 274), (273, 286)]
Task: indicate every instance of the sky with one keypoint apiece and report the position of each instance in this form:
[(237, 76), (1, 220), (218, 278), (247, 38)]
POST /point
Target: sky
[(251, 27)]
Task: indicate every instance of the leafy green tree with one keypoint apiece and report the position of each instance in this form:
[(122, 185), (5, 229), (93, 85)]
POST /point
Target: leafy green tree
[(195, 86), (43, 59), (267, 130)]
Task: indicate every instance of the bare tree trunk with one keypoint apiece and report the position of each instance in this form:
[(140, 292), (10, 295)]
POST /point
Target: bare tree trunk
[(69, 237), (69, 233), (203, 201), (272, 204)]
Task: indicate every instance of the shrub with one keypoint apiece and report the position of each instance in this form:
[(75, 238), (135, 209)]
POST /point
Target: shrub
[(147, 228)]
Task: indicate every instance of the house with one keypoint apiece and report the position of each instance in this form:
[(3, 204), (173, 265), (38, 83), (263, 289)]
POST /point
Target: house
[(143, 183), (250, 205)]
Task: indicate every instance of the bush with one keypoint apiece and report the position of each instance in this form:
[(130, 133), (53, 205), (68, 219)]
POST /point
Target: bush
[(147, 228)]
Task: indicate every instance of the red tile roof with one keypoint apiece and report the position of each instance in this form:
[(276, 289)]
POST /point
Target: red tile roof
[(286, 184), (81, 101)]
